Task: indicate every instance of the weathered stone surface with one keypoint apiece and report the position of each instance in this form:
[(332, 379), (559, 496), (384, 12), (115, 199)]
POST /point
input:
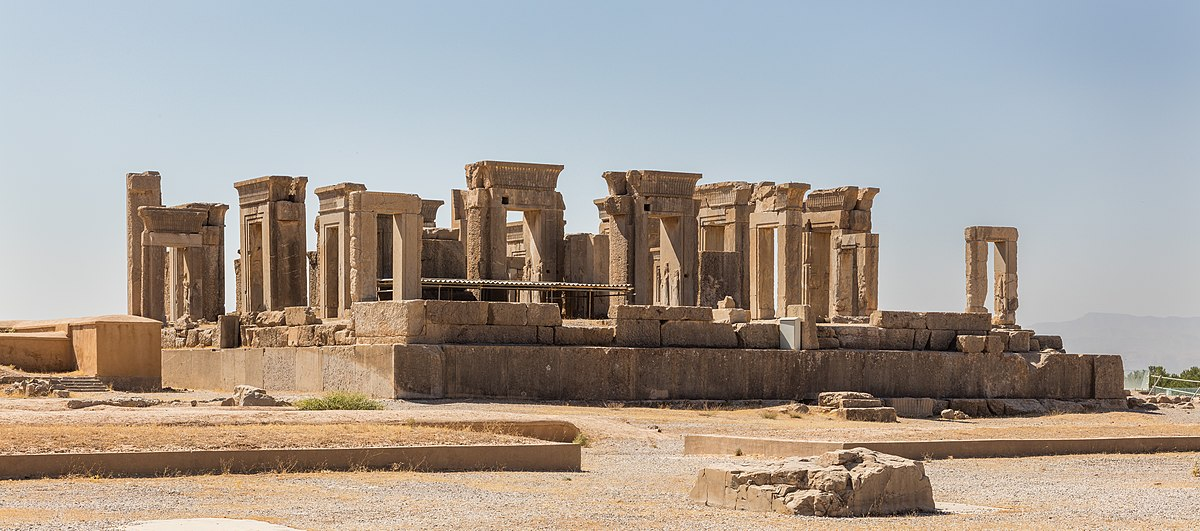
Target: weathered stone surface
[(757, 334), (731, 315), (30, 388), (250, 396), (388, 318), (941, 340), (456, 312), (953, 414), (971, 344), (1051, 342), (994, 343), (508, 313), (1108, 379), (832, 398), (698, 334), (544, 314), (128, 401), (638, 333), (897, 338), (664, 313), (1019, 340), (859, 337), (963, 322), (916, 408), (859, 402), (856, 482), (867, 414), (270, 318), (895, 319), (579, 334), (299, 316)]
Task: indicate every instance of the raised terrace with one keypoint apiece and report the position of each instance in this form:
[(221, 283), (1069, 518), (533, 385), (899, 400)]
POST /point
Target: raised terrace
[(727, 290)]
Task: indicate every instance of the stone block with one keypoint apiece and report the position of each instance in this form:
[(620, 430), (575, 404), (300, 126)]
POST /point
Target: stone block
[(302, 336), (389, 318), (970, 344), (894, 319), (584, 335), (851, 403), (897, 338), (858, 337), (456, 312), (867, 414), (508, 313), (664, 313), (228, 331), (481, 334), (921, 339), (269, 318), (271, 336), (1018, 340), (1052, 342), (299, 316), (757, 334), (545, 335), (974, 407), (961, 321), (941, 340), (731, 315), (828, 343), (1108, 375), (698, 334), (544, 314), (994, 344), (915, 408), (637, 332), (832, 398)]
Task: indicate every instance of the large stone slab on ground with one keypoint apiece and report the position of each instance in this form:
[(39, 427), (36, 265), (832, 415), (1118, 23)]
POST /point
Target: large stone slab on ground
[(855, 482)]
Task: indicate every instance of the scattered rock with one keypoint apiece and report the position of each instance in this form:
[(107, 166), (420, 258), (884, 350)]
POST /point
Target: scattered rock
[(62, 393), (125, 401), (798, 409), (30, 388), (831, 399), (855, 482), (248, 395), (954, 414)]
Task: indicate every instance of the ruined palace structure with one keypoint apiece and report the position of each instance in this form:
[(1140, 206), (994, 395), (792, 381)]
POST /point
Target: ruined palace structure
[(725, 290)]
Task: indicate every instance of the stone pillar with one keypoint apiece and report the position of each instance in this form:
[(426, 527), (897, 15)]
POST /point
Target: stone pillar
[(977, 281), (141, 189), (762, 273), (1006, 283), (868, 275)]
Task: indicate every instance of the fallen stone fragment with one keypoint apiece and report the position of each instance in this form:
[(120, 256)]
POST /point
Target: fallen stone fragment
[(30, 388), (248, 395), (954, 414), (855, 482), (128, 401)]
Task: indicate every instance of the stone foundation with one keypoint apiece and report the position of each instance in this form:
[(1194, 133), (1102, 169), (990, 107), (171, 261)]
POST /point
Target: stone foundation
[(560, 372)]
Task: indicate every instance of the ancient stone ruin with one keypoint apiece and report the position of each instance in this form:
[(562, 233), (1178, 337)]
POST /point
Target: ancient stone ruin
[(727, 290), (855, 482)]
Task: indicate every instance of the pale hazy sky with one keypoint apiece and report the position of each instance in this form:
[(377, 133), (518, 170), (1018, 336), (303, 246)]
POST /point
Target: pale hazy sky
[(1077, 122)]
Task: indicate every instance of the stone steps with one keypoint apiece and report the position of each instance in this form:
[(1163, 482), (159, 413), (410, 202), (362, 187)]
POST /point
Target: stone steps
[(78, 384)]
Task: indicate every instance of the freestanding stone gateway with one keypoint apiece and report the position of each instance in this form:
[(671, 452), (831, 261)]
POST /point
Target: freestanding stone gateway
[(1005, 240), (273, 268)]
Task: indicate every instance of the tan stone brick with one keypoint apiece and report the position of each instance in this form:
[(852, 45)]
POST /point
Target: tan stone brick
[(508, 313), (698, 334), (894, 319), (544, 314), (389, 318), (456, 312), (637, 333), (583, 335), (757, 334), (896, 338)]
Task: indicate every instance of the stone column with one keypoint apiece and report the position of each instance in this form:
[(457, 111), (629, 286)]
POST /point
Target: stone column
[(843, 266), (141, 189), (977, 282), (1006, 283), (762, 272), (868, 275), (406, 256)]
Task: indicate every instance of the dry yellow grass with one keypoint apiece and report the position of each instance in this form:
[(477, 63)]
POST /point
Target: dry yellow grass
[(57, 438)]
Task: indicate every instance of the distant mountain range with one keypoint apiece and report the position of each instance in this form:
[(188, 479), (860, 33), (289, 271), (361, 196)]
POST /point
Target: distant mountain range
[(1172, 342)]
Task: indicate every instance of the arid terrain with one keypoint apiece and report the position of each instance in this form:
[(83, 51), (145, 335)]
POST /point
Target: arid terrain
[(634, 476)]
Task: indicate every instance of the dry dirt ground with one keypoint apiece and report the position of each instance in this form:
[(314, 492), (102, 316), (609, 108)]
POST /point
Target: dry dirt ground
[(635, 475)]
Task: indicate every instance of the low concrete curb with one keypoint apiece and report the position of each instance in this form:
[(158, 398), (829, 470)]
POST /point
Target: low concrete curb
[(546, 430), (544, 457), (940, 449)]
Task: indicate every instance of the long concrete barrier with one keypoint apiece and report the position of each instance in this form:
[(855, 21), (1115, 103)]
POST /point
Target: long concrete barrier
[(941, 449), (543, 457)]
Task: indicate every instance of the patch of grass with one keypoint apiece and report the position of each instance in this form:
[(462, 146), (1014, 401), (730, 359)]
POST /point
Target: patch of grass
[(738, 452), (795, 414), (7, 330), (582, 440), (768, 414), (338, 400), (1196, 469)]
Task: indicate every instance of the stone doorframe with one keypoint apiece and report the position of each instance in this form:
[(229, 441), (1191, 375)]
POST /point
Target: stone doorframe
[(1005, 265)]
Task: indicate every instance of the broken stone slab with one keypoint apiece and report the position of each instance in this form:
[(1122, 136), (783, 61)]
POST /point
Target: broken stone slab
[(248, 395), (832, 398), (128, 401), (953, 414), (855, 482), (867, 414), (30, 388)]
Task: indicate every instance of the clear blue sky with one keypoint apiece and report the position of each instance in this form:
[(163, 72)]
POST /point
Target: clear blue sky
[(1078, 122)]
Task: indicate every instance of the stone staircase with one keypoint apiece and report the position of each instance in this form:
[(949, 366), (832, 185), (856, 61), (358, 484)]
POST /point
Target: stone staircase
[(78, 384)]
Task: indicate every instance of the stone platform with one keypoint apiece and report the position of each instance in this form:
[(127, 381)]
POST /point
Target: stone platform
[(554, 372)]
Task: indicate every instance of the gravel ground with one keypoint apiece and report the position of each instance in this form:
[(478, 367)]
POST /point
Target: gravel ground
[(635, 477)]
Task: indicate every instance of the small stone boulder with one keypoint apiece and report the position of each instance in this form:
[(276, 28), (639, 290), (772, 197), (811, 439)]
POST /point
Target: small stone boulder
[(30, 388), (248, 395), (123, 401), (833, 398), (855, 482), (953, 414)]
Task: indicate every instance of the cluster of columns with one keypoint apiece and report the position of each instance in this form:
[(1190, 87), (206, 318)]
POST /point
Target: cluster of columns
[(176, 263)]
